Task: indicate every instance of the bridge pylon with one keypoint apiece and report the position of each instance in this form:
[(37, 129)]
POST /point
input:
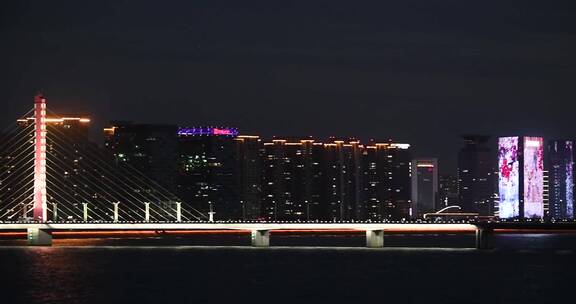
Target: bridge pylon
[(40, 200)]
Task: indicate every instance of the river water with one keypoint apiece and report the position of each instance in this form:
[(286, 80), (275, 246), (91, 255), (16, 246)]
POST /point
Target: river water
[(300, 269)]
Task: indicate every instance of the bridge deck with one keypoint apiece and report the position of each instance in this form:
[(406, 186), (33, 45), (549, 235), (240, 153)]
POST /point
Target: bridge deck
[(241, 226)]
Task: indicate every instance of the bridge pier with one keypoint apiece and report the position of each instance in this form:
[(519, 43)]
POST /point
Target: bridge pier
[(484, 238), (260, 238), (39, 237), (375, 238)]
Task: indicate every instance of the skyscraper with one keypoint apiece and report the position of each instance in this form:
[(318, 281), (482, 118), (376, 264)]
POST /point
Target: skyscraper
[(208, 171), (521, 177), (561, 179), (476, 177), (424, 186)]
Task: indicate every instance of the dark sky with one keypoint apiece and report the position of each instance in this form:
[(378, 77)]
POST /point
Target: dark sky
[(421, 72)]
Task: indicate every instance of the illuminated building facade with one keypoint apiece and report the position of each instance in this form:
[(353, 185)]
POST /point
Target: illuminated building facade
[(521, 177), (561, 179), (292, 179), (386, 181), (342, 196), (476, 175), (208, 171), (424, 186)]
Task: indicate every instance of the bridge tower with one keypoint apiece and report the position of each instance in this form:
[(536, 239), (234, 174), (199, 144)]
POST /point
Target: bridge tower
[(40, 158)]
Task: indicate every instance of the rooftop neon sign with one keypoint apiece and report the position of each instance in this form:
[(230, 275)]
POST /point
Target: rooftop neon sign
[(208, 131)]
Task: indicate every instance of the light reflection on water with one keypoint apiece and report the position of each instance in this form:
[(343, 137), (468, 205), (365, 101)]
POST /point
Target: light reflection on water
[(173, 271)]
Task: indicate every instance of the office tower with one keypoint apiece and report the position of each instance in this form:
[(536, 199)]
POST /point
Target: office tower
[(476, 177), (208, 170), (560, 179), (447, 190), (150, 149), (292, 179), (521, 180), (386, 180), (424, 186), (249, 175)]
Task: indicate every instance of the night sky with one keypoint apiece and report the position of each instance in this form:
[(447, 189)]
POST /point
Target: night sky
[(420, 72)]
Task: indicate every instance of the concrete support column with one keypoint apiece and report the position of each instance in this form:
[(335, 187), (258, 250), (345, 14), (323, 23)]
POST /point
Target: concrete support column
[(39, 237), (85, 208), (374, 238), (484, 238), (260, 238), (54, 212), (116, 211), (147, 212), (178, 211)]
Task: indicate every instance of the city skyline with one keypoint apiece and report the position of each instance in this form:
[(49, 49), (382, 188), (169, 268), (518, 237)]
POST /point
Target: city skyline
[(318, 151), (300, 178)]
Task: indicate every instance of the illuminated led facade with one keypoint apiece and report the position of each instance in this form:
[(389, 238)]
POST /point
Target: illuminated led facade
[(521, 177), (424, 186), (208, 131), (533, 177), (509, 177), (561, 179)]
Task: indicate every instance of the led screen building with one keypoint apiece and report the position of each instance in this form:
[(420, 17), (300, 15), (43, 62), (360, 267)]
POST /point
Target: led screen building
[(521, 178), (533, 177)]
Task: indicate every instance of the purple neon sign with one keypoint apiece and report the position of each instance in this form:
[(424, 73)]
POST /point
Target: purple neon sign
[(208, 131)]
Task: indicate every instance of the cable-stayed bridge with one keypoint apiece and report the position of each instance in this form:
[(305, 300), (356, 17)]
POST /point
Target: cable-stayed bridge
[(54, 178)]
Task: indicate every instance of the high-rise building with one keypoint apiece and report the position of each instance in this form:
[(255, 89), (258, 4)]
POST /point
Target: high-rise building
[(150, 149), (386, 181), (521, 177), (249, 175), (447, 190), (476, 177), (208, 171), (561, 179), (292, 179), (424, 186), (342, 167)]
